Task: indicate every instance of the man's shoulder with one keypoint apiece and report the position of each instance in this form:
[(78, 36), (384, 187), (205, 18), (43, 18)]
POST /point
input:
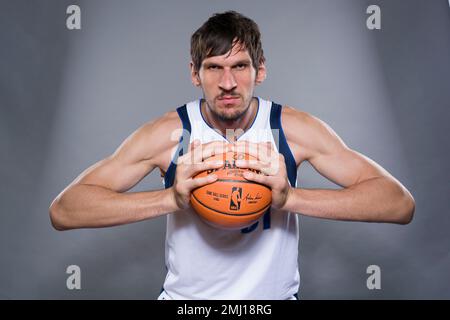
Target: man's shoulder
[(294, 114), (155, 138), (294, 120), (162, 126), (304, 131)]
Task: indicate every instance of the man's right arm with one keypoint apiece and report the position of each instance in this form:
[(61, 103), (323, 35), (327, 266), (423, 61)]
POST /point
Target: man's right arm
[(97, 197)]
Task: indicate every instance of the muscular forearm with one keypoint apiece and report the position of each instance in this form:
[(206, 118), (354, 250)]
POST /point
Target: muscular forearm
[(373, 200), (89, 206)]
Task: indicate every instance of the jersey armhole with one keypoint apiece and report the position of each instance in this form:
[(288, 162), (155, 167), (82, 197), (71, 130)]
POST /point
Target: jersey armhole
[(183, 144), (281, 142)]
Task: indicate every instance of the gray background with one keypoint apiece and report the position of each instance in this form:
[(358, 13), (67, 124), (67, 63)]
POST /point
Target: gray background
[(69, 98)]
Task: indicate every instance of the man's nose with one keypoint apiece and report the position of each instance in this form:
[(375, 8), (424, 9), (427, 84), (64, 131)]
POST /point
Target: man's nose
[(227, 82)]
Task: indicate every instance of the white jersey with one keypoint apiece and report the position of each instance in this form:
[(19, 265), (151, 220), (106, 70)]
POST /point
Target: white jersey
[(258, 262)]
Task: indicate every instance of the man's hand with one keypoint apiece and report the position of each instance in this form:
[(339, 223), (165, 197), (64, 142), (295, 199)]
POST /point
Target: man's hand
[(272, 167), (193, 163)]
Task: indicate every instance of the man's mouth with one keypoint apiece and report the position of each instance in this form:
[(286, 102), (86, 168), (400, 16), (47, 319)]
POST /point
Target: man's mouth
[(229, 99)]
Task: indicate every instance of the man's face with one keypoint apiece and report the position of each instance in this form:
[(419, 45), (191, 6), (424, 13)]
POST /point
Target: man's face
[(228, 82)]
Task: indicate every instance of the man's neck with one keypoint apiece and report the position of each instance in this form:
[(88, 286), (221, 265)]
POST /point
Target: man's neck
[(243, 123)]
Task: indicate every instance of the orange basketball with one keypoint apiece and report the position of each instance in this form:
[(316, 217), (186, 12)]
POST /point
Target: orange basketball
[(231, 202)]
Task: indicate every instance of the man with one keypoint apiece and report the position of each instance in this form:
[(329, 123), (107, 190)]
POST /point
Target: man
[(258, 262)]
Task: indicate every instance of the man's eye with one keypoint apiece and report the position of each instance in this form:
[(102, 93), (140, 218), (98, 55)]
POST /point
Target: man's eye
[(240, 66), (213, 67)]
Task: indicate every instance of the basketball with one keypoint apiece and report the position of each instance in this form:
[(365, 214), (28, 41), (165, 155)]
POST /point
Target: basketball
[(231, 202)]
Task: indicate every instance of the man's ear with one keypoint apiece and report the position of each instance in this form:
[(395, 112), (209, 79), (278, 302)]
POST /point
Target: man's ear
[(195, 78), (261, 74)]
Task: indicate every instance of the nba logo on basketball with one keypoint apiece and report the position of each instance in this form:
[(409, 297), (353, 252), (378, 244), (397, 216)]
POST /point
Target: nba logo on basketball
[(236, 196)]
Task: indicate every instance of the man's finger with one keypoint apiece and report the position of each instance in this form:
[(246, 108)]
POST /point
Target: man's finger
[(266, 168), (198, 182), (207, 150), (203, 166), (259, 178)]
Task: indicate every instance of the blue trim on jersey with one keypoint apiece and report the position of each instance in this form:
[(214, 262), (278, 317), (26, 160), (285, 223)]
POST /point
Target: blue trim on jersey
[(266, 219), (282, 145), (250, 228), (183, 144)]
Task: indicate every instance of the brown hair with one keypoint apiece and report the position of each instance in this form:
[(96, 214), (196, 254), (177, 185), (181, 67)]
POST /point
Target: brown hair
[(221, 32)]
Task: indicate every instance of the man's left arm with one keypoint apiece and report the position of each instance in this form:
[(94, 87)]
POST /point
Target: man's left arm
[(369, 192)]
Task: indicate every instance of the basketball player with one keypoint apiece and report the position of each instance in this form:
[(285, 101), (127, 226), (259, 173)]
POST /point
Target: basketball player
[(260, 261)]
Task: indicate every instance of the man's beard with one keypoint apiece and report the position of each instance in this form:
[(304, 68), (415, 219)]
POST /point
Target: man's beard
[(226, 116)]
